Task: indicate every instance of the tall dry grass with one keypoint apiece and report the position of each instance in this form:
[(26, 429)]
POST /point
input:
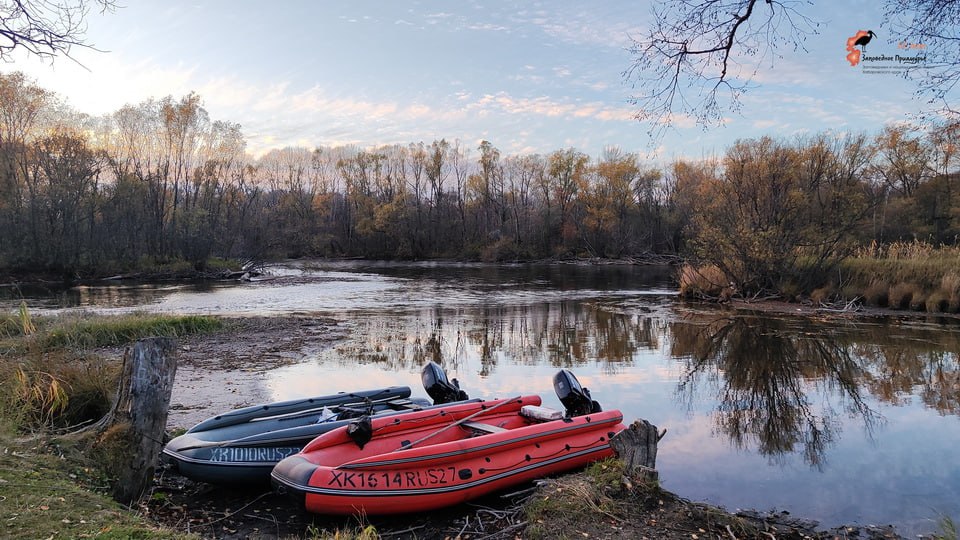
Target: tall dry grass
[(905, 275), (49, 377), (703, 282)]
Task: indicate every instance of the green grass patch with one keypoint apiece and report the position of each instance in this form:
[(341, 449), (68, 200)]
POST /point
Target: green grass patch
[(43, 496), (21, 336), (113, 331)]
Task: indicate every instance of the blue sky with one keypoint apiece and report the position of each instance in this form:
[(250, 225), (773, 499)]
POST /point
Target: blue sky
[(527, 76)]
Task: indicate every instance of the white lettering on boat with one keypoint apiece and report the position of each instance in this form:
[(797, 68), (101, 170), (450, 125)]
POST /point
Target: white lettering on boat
[(396, 480), (268, 454)]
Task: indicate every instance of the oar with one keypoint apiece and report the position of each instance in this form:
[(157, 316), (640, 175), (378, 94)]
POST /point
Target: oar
[(455, 424)]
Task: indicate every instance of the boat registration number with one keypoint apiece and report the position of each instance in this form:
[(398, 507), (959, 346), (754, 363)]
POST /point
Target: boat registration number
[(269, 454), (400, 479)]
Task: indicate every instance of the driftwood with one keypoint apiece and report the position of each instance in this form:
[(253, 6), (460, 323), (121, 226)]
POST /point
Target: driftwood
[(130, 437), (637, 447)]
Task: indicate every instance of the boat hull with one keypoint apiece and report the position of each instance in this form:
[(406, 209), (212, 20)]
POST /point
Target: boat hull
[(452, 471), (242, 447)]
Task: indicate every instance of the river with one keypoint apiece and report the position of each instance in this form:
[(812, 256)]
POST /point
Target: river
[(846, 421)]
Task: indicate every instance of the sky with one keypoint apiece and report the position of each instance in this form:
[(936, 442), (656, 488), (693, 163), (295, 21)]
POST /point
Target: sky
[(530, 77)]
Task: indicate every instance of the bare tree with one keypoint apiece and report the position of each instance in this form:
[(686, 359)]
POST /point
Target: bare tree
[(932, 25), (45, 28), (700, 57)]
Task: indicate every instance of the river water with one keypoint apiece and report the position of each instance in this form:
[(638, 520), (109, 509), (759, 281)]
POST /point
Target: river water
[(843, 421)]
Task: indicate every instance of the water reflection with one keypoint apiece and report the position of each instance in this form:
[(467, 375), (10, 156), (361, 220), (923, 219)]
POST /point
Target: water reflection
[(560, 335), (778, 385), (112, 295), (836, 420), (904, 362), (854, 404), (765, 374)]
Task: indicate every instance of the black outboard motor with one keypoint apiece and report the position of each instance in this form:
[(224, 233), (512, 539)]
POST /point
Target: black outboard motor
[(440, 389), (575, 398)]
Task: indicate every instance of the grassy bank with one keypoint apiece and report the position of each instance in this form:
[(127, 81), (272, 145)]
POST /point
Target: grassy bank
[(908, 276), (50, 378), (905, 276), (50, 374), (47, 491)]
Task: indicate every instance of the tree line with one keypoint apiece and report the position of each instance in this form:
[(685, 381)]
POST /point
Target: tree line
[(161, 181)]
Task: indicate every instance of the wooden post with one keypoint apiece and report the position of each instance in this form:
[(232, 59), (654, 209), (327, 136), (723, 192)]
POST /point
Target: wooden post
[(637, 447), (131, 436)]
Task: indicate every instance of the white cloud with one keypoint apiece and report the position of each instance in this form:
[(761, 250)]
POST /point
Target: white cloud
[(764, 124), (545, 106)]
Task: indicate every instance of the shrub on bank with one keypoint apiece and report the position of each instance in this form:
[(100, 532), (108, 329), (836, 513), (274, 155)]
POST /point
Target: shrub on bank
[(938, 302), (877, 293)]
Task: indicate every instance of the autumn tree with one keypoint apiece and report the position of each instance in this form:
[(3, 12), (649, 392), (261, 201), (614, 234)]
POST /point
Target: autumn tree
[(610, 205), (683, 185), (22, 106), (487, 186), (65, 184), (566, 170), (780, 217), (522, 174)]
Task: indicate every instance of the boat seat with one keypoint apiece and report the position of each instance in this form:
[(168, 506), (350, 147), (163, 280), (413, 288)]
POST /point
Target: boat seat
[(488, 428), (404, 404)]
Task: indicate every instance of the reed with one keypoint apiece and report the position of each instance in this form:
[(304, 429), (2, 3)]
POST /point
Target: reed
[(904, 275)]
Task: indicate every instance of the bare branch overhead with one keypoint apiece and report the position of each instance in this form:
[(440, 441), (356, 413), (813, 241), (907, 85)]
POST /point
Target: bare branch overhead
[(45, 28)]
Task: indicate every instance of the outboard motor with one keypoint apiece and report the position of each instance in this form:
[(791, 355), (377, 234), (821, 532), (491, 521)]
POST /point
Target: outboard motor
[(440, 389), (575, 398)]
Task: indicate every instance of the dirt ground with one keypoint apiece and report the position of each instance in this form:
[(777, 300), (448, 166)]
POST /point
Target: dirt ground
[(223, 371), (236, 359)]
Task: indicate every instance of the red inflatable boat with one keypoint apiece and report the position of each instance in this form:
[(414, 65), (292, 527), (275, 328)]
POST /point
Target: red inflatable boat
[(435, 458)]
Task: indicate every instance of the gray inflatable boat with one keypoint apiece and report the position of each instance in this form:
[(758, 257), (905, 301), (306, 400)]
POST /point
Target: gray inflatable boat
[(241, 447)]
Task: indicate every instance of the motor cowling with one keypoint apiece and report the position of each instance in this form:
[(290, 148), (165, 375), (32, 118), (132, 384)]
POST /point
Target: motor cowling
[(440, 389), (575, 398)]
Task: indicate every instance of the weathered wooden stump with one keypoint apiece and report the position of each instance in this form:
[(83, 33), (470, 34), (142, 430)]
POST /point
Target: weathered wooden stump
[(130, 437), (637, 447)]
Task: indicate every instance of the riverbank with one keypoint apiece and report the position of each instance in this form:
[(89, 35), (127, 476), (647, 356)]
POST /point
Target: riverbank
[(234, 361), (226, 368)]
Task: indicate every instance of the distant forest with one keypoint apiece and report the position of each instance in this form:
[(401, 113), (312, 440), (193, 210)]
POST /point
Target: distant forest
[(160, 181)]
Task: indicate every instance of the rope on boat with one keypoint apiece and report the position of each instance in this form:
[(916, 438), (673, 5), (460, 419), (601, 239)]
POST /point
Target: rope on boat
[(457, 423)]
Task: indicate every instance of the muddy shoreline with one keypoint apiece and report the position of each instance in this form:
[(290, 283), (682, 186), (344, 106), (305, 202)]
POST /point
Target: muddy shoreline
[(227, 370)]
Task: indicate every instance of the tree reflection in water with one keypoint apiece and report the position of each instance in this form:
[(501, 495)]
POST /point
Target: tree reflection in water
[(780, 383), (765, 373), (562, 335)]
